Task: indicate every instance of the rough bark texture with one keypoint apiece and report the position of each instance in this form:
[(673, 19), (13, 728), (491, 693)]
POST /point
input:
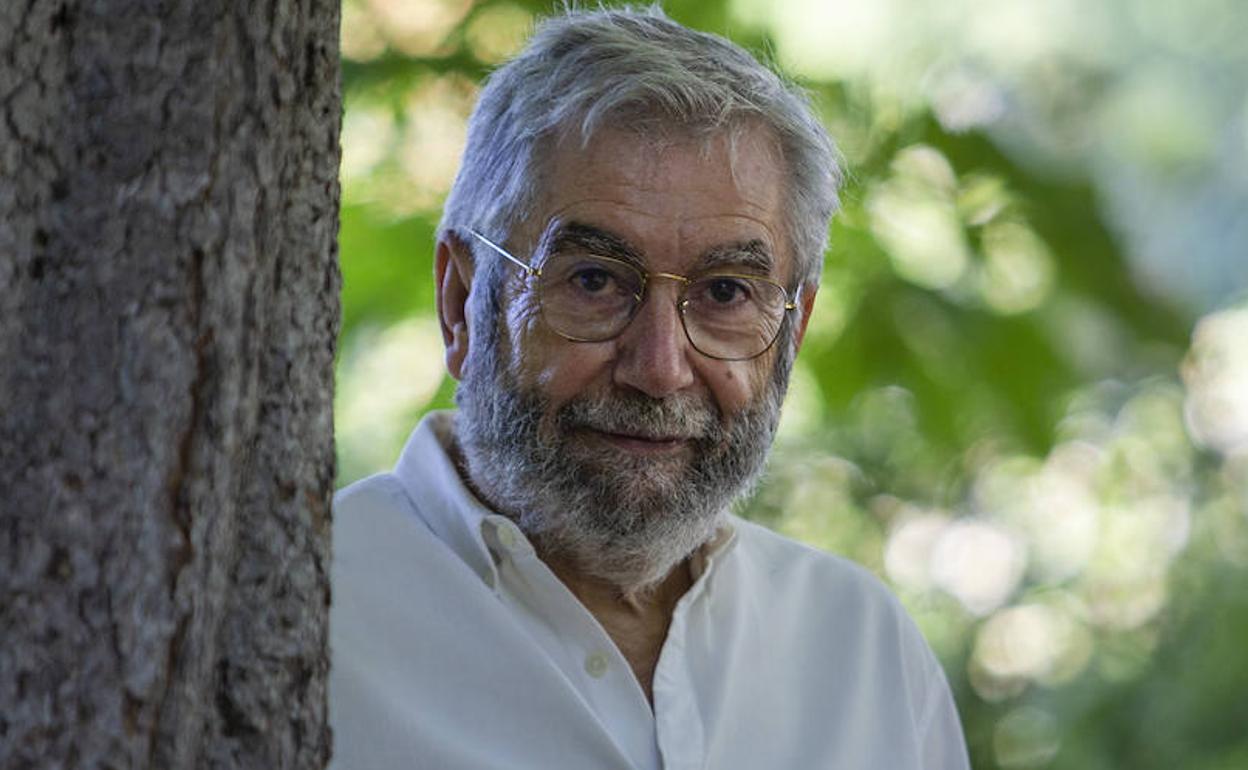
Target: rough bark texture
[(168, 310)]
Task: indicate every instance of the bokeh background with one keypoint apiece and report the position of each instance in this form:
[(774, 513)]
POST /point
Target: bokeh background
[(1023, 399)]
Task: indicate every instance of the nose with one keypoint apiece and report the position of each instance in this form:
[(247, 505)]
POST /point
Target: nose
[(653, 352)]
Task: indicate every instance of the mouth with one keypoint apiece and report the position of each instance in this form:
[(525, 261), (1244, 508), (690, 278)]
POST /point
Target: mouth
[(642, 444)]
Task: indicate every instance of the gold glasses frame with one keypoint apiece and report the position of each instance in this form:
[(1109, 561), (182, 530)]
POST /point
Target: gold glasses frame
[(682, 302)]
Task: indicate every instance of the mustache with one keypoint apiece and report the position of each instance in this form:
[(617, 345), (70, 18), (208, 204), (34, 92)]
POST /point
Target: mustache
[(683, 416)]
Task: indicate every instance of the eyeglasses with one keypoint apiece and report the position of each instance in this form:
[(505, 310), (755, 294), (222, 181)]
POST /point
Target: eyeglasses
[(591, 298)]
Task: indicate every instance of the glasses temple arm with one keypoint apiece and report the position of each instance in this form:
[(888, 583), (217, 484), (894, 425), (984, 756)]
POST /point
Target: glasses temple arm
[(791, 304), (502, 252)]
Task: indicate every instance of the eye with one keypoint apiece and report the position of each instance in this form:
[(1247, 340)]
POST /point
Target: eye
[(591, 278), (725, 291)]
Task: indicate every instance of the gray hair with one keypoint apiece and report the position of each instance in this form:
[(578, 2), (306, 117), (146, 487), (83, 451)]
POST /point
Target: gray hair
[(637, 68)]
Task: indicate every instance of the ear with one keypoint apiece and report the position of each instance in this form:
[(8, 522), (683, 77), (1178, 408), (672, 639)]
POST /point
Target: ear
[(807, 304), (453, 275)]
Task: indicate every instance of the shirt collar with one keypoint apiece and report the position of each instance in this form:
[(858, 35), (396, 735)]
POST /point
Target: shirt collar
[(712, 551), (478, 535), (456, 515)]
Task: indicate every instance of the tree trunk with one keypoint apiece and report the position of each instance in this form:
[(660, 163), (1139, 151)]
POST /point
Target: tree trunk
[(168, 314)]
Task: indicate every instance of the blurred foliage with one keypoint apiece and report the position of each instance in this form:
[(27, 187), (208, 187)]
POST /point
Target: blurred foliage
[(1006, 405)]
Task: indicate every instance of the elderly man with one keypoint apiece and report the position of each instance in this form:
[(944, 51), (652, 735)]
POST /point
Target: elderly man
[(550, 577)]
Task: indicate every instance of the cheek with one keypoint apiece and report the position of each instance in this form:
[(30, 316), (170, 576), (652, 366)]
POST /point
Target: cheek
[(563, 370), (734, 384)]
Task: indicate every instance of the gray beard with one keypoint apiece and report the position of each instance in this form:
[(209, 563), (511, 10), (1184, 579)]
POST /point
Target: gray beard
[(624, 518)]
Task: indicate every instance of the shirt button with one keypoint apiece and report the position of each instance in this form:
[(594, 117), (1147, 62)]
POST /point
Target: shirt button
[(507, 536), (596, 664)]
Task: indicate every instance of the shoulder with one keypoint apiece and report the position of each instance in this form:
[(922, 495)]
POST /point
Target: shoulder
[(835, 640), (787, 566), (374, 517), (823, 607), (366, 496), (819, 596), (366, 503)]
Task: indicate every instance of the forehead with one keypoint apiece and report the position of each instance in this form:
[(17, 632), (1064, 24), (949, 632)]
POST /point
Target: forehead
[(671, 199)]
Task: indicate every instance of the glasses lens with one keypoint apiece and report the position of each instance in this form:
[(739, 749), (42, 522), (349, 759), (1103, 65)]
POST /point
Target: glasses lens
[(589, 298), (733, 317)]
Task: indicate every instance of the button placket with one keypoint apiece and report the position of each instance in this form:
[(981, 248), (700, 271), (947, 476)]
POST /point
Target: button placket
[(585, 652), (678, 721)]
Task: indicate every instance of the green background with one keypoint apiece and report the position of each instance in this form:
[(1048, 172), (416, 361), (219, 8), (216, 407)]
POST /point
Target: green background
[(1023, 398)]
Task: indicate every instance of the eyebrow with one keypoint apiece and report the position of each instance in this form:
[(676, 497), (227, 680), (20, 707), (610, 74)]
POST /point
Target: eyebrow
[(576, 236), (751, 255)]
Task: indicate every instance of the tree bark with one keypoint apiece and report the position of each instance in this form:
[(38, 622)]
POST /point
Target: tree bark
[(168, 314)]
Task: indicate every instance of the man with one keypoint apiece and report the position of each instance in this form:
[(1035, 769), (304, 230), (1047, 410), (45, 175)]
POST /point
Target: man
[(549, 578)]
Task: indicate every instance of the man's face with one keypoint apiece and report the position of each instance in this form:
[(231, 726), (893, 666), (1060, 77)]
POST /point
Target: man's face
[(623, 454), (678, 208)]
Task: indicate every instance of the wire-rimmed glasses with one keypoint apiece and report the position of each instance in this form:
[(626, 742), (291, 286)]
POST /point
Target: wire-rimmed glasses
[(586, 297)]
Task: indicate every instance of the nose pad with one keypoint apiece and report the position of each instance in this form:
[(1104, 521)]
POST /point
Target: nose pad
[(654, 351)]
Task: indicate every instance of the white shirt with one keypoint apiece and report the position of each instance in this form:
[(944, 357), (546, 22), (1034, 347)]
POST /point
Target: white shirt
[(454, 646)]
